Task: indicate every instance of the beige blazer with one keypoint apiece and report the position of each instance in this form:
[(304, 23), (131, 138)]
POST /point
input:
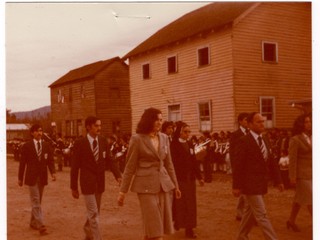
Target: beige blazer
[(300, 158), (148, 170)]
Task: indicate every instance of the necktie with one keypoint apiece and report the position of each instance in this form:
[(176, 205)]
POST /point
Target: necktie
[(262, 148), (39, 150), (247, 131), (95, 150)]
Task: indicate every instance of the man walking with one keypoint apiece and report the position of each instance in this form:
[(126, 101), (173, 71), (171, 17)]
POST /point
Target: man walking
[(36, 157), (89, 159), (250, 177), (234, 139)]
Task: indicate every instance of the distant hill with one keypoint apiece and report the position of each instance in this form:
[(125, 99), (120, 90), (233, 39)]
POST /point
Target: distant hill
[(37, 113)]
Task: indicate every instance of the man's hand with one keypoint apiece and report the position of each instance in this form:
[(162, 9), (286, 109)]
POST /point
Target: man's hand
[(119, 180), (236, 192), (20, 183), (281, 187), (53, 177), (75, 194), (178, 193), (201, 182), (121, 198)]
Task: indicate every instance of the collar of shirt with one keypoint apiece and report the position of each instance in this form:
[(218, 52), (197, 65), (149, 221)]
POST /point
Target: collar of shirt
[(91, 139), (36, 142), (182, 140), (243, 130), (255, 135)]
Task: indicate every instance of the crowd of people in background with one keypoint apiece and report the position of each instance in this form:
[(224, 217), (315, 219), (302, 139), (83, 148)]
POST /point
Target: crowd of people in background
[(213, 156), (208, 153)]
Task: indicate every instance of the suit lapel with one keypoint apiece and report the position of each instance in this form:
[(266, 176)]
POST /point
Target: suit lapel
[(255, 145), (88, 148), (34, 150), (268, 146), (304, 141), (148, 143)]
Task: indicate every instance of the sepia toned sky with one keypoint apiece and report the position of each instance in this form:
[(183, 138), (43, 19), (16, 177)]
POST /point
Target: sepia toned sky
[(44, 41)]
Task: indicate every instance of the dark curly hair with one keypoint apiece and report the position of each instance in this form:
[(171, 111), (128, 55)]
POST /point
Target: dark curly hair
[(147, 120), (298, 125)]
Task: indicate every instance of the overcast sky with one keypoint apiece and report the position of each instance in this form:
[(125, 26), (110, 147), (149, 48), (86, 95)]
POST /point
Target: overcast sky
[(44, 41)]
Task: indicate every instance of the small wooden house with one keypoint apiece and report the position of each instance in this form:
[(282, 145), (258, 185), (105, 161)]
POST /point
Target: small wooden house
[(225, 58), (100, 89), (18, 131)]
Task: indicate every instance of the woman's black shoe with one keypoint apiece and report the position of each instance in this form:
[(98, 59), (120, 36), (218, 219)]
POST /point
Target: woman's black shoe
[(292, 226), (190, 233)]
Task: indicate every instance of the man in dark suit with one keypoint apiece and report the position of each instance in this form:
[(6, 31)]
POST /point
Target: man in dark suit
[(36, 157), (250, 177), (90, 156), (234, 138)]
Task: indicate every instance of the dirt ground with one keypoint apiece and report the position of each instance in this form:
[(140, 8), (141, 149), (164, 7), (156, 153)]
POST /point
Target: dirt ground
[(65, 216)]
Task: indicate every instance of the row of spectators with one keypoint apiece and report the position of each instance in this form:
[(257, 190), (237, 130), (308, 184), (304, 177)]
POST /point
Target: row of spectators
[(212, 150)]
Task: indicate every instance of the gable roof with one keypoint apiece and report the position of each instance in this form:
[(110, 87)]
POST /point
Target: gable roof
[(84, 72), (17, 126), (210, 17)]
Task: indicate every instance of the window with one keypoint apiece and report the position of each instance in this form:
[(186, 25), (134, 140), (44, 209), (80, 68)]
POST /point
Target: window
[(174, 113), (269, 52), (146, 71), (59, 96), (70, 94), (79, 127), (82, 91), (68, 128), (204, 116), (267, 110), (172, 64), (203, 56)]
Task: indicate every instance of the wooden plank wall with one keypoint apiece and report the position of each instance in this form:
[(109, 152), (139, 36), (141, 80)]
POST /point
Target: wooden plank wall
[(191, 85), (109, 107), (288, 24), (235, 58)]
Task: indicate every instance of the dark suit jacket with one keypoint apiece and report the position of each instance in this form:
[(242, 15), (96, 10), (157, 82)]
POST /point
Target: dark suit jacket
[(30, 168), (250, 170), (234, 143), (184, 161), (92, 172)]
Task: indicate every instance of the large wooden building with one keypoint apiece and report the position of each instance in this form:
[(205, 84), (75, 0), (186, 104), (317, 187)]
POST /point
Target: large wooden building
[(225, 58), (100, 89)]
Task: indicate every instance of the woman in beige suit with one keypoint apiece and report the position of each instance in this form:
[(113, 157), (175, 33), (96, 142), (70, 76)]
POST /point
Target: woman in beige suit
[(150, 166), (300, 167)]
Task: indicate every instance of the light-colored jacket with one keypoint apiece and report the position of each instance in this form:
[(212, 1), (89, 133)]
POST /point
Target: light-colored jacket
[(148, 170), (300, 155)]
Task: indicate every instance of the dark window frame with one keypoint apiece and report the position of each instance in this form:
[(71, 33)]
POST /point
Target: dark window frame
[(203, 54), (172, 64), (146, 73), (269, 52)]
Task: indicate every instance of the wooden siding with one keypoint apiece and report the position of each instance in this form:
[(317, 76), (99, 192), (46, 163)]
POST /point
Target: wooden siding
[(96, 100), (289, 25), (191, 85), (236, 76), (78, 109), (112, 108)]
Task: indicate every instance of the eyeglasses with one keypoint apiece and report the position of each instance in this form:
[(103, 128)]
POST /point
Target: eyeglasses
[(186, 131)]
